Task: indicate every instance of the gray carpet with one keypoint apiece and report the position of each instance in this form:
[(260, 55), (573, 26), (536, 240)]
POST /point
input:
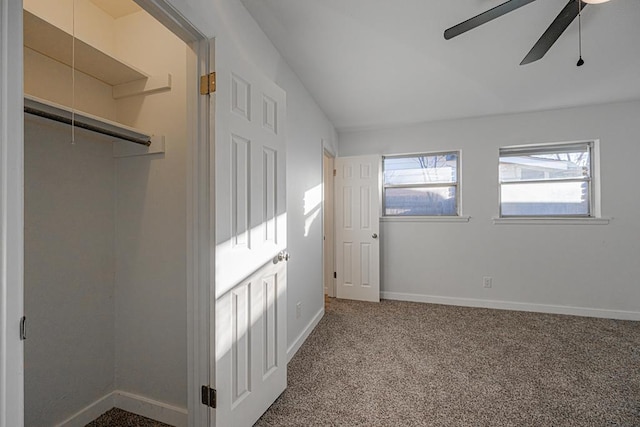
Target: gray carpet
[(410, 364), (118, 418)]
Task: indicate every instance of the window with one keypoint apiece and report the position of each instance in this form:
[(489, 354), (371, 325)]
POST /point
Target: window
[(551, 180), (421, 184)]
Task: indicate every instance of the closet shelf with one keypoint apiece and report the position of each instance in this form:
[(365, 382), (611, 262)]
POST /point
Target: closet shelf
[(56, 43), (60, 113)]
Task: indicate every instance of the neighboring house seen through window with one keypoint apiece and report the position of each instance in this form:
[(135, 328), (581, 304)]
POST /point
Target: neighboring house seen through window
[(421, 184), (551, 180)]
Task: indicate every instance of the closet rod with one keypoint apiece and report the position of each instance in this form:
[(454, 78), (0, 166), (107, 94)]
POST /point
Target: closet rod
[(51, 111)]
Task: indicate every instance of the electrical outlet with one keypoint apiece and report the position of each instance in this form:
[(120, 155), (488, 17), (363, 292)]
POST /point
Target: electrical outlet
[(487, 282), (298, 310)]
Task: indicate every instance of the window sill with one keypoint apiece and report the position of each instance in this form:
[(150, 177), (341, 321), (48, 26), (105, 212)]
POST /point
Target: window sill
[(425, 219), (552, 221)]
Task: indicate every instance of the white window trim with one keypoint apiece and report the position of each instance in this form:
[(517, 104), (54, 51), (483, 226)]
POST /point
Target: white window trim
[(433, 218), (551, 221), (595, 218)]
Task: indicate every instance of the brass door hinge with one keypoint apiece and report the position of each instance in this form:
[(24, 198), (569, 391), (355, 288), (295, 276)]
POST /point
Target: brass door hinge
[(335, 172), (208, 84)]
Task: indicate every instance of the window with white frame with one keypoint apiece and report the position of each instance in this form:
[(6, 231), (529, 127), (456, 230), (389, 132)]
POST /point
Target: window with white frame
[(421, 184), (547, 180)]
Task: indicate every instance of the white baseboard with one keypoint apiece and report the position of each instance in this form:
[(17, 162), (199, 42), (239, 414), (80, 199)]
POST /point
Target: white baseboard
[(510, 305), (89, 413), (140, 405), (293, 349), (159, 411)]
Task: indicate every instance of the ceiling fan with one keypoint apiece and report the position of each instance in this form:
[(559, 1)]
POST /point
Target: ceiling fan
[(548, 38)]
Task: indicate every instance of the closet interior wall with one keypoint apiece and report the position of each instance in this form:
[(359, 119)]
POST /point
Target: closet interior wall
[(105, 236)]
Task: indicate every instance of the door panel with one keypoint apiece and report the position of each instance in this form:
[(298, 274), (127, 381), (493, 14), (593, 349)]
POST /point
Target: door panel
[(250, 278), (357, 228)]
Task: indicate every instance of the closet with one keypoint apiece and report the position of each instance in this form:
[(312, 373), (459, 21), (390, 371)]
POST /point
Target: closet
[(105, 213)]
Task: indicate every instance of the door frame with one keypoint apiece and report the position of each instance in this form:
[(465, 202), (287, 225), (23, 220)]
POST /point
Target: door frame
[(328, 181), (11, 215), (200, 211)]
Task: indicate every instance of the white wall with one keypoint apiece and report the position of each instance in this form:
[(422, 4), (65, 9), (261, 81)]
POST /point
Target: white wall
[(592, 268), (69, 270), (307, 125), (305, 130), (150, 283)]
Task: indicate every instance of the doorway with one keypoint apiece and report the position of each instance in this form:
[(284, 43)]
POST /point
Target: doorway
[(328, 212), (108, 292)]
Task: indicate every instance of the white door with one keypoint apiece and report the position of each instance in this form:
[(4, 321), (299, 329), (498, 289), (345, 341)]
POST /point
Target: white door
[(250, 226), (357, 193)]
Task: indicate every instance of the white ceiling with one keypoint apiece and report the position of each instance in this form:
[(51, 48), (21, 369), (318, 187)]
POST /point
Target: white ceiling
[(378, 63)]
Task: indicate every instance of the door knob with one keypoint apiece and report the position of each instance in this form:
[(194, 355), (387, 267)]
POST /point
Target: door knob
[(374, 235), (283, 256)]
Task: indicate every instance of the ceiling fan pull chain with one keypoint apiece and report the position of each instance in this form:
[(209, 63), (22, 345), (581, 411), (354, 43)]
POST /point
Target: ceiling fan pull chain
[(580, 60), (73, 73)]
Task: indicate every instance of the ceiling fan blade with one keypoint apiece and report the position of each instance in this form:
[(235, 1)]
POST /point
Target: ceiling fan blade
[(484, 17), (555, 30)]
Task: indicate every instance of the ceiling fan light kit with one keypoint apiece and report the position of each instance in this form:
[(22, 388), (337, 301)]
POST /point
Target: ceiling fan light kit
[(566, 16)]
